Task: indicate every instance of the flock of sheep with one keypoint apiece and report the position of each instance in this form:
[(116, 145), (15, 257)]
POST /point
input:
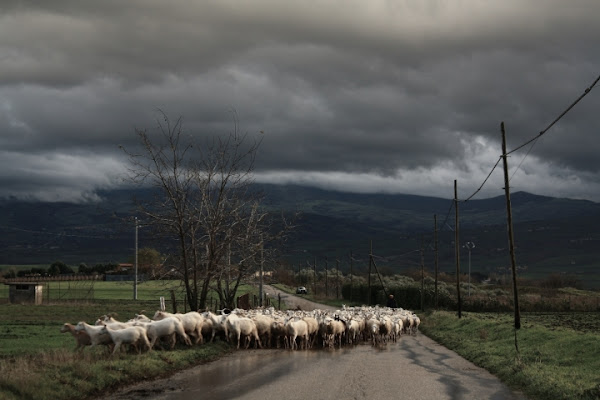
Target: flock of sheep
[(260, 327)]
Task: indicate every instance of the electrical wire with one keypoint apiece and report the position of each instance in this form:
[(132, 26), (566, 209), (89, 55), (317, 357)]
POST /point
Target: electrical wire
[(534, 139), (485, 180), (523, 159), (585, 93)]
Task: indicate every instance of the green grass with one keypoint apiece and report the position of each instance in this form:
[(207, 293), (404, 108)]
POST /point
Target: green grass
[(147, 290), (37, 360), (63, 375), (29, 329), (558, 356), (93, 291), (554, 361)]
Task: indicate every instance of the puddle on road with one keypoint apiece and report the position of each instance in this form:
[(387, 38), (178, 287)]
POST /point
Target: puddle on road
[(249, 370)]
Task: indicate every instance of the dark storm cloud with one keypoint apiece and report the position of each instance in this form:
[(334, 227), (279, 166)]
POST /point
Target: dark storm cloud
[(395, 96)]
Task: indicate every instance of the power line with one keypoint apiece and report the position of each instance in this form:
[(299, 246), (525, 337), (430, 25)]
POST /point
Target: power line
[(585, 93), (448, 213), (523, 159), (486, 179), (532, 140)]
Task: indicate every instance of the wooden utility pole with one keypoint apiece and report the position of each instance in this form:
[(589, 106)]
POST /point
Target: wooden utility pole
[(135, 278), (457, 250), (511, 239), (435, 244), (262, 263), (315, 276), (337, 280), (326, 279), (369, 278), (422, 275), (351, 278)]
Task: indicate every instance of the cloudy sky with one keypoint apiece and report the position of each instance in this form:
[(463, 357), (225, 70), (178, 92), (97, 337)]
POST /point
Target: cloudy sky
[(398, 96)]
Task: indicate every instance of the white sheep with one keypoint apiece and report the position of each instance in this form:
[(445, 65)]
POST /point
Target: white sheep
[(166, 328), (353, 331), (416, 322), (82, 339), (217, 323), (332, 330), (264, 325), (313, 329), (296, 328), (140, 318), (372, 329), (279, 331), (192, 323), (397, 329), (385, 328), (114, 324), (242, 326), (96, 334), (132, 335)]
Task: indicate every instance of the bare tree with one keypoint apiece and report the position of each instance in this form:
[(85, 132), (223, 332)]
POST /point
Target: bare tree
[(206, 205)]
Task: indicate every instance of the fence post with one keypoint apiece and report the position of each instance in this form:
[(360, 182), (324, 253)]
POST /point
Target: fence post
[(174, 301)]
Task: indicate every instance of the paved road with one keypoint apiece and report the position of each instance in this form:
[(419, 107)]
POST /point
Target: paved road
[(414, 368), (294, 302)]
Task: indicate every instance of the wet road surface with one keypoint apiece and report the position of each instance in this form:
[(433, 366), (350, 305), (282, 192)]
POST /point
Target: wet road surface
[(415, 367)]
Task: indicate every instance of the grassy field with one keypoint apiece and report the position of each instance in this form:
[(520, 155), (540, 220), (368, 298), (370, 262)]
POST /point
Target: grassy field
[(37, 360), (148, 292), (558, 355)]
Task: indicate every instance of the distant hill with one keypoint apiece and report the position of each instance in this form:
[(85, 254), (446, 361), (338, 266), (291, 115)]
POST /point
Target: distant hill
[(552, 235)]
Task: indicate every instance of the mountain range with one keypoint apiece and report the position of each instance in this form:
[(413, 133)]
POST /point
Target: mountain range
[(552, 235)]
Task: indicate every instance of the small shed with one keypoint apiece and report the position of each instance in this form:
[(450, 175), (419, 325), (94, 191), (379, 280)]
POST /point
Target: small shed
[(25, 292)]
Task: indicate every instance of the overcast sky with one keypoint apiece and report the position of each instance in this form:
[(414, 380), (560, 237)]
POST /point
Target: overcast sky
[(397, 96)]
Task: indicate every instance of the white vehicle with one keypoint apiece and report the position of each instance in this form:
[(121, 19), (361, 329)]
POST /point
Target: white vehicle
[(301, 290)]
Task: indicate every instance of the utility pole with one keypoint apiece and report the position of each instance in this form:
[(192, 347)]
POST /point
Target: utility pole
[(351, 281), (369, 278), (457, 250), (262, 262), (511, 239), (435, 243), (422, 275), (326, 279), (315, 276), (135, 278), (337, 280)]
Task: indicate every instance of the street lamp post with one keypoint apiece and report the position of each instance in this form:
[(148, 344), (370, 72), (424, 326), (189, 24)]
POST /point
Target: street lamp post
[(469, 246)]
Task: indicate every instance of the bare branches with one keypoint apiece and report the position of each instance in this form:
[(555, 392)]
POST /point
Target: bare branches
[(205, 202)]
